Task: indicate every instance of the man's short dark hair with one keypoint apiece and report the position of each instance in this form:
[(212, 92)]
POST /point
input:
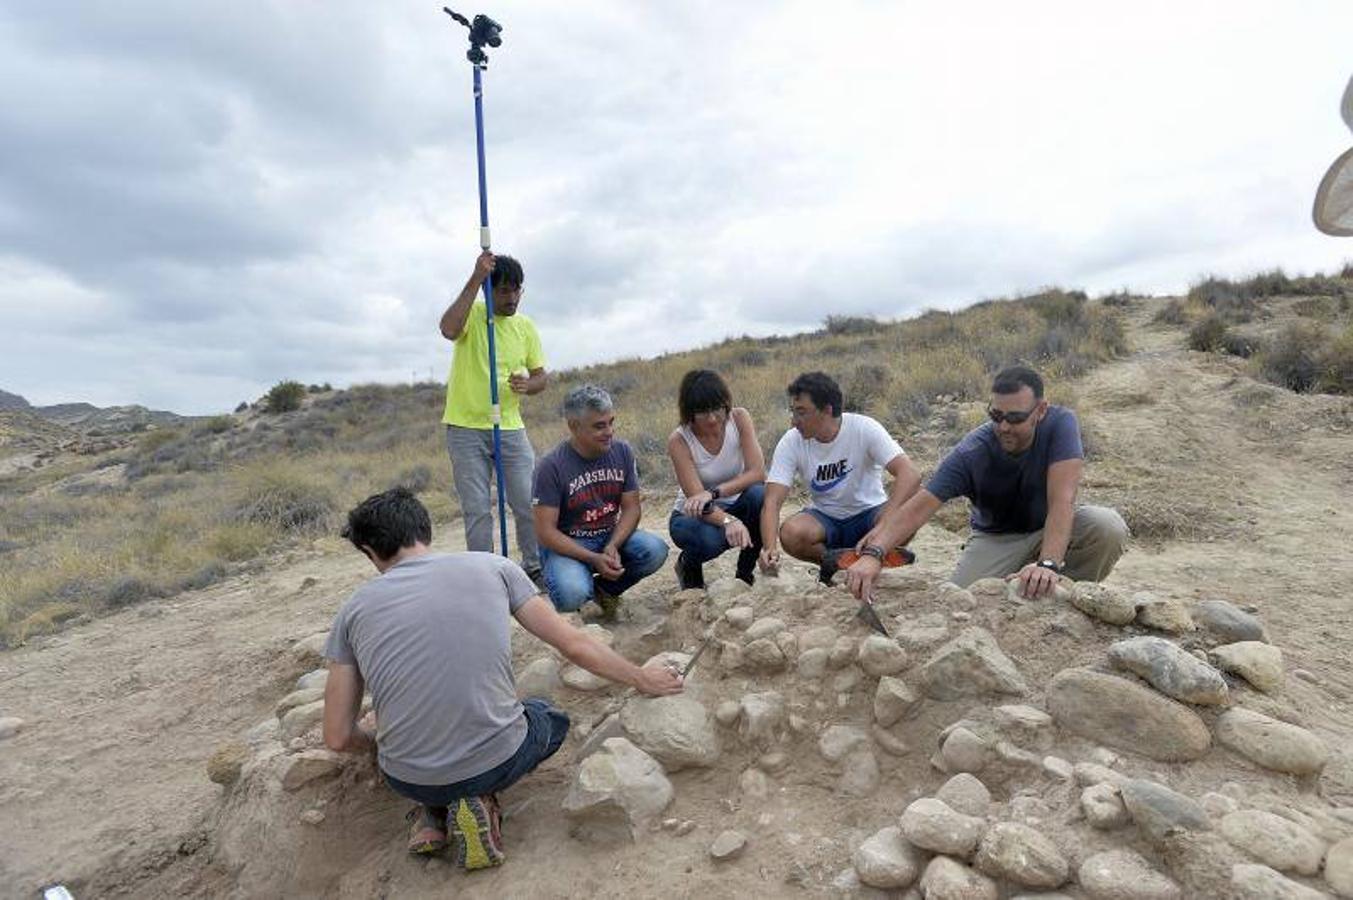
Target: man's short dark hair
[(702, 391), (507, 272), (821, 388), (388, 522), (1010, 379)]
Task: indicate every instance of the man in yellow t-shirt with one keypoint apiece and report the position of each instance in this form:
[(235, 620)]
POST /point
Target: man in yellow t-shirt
[(468, 416)]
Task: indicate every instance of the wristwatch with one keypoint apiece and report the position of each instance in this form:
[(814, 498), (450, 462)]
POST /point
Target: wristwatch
[(714, 492), (1052, 564), (872, 550)]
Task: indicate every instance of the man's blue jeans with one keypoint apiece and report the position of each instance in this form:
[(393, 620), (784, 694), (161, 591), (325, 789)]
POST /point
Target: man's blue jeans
[(546, 728), (570, 581), (703, 541)]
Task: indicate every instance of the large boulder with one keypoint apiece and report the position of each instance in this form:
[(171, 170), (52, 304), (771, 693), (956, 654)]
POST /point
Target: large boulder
[(935, 826), (1227, 623), (948, 879), (762, 716), (966, 794), (893, 700), (1272, 744), (1104, 603), (1124, 875), (1020, 854), (1274, 841), (1160, 812), (1255, 882), (1170, 669), (1258, 663), (299, 720), (616, 791), (886, 861), (1126, 715), (300, 769), (881, 656), (540, 678), (971, 665), (676, 731), (1339, 867)]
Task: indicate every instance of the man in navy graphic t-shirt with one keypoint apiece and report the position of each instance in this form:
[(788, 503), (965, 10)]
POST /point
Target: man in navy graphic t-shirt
[(1020, 471), (586, 500)]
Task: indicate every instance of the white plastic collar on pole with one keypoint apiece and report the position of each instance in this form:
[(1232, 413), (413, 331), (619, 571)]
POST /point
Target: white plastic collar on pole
[(484, 241), (496, 414)]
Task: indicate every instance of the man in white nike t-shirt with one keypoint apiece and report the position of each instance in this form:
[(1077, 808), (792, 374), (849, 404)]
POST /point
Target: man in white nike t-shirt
[(840, 456)]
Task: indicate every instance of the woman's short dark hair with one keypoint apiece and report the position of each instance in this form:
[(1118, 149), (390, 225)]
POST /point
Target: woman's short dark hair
[(1010, 379), (702, 390), (388, 522), (821, 388), (507, 272)]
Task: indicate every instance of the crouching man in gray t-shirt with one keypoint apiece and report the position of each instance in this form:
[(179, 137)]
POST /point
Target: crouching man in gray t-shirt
[(430, 639)]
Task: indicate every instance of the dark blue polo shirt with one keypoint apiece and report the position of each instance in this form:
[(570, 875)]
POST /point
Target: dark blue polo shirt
[(1009, 493)]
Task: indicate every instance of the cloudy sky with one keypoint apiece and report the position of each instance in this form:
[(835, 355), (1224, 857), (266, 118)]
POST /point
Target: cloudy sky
[(198, 200)]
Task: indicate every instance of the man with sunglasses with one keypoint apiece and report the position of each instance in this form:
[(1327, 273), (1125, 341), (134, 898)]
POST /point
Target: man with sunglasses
[(468, 415), (1020, 471)]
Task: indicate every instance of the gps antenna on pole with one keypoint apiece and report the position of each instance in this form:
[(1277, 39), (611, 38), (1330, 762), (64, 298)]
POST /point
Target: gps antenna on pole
[(486, 32)]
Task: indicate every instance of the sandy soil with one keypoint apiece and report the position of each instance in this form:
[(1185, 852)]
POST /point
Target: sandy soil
[(105, 788)]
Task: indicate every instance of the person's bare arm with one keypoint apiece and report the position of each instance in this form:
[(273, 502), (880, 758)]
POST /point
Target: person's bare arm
[(1064, 480), (342, 705), (538, 617), (770, 523), (906, 482), (535, 381), (453, 320), (893, 529)]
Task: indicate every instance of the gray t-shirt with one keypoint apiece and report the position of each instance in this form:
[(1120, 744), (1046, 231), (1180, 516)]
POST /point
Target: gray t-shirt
[(432, 639)]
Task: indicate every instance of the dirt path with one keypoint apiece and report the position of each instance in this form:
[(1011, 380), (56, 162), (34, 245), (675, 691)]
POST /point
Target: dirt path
[(105, 787)]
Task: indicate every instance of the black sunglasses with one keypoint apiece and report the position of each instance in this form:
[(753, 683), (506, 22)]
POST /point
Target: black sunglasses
[(1014, 417)]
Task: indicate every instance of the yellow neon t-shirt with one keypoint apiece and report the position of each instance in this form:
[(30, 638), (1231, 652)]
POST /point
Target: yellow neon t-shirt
[(467, 388)]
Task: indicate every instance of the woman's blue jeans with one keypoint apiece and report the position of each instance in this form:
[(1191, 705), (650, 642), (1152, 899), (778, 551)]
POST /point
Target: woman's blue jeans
[(702, 541)]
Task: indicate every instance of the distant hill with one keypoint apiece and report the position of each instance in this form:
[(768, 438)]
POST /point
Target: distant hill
[(10, 401), (93, 420)]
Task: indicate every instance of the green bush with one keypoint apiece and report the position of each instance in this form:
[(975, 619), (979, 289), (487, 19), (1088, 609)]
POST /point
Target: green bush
[(284, 396)]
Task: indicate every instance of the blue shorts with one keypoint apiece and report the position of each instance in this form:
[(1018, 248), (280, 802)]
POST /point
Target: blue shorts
[(846, 532), (546, 728)]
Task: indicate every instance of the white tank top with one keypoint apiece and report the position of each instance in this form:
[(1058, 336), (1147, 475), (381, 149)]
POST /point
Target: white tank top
[(715, 468)]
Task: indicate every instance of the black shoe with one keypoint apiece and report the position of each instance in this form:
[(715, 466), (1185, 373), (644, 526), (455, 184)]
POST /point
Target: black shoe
[(690, 574), (747, 565), (828, 566)]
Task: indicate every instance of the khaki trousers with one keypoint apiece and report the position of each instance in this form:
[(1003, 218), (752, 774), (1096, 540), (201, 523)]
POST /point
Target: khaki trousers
[(1098, 537)]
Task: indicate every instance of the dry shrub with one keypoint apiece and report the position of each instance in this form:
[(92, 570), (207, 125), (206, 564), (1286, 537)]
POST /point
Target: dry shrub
[(1294, 357), (1208, 333), (851, 325), (287, 497), (1337, 374), (239, 541), (1172, 313)]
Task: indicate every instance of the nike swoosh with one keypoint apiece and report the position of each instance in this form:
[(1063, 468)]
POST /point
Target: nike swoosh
[(821, 486)]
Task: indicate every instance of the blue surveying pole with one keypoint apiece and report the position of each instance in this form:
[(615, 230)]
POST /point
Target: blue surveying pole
[(486, 31)]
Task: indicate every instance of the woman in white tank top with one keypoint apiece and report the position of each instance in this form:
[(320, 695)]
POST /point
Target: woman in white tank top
[(721, 473)]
